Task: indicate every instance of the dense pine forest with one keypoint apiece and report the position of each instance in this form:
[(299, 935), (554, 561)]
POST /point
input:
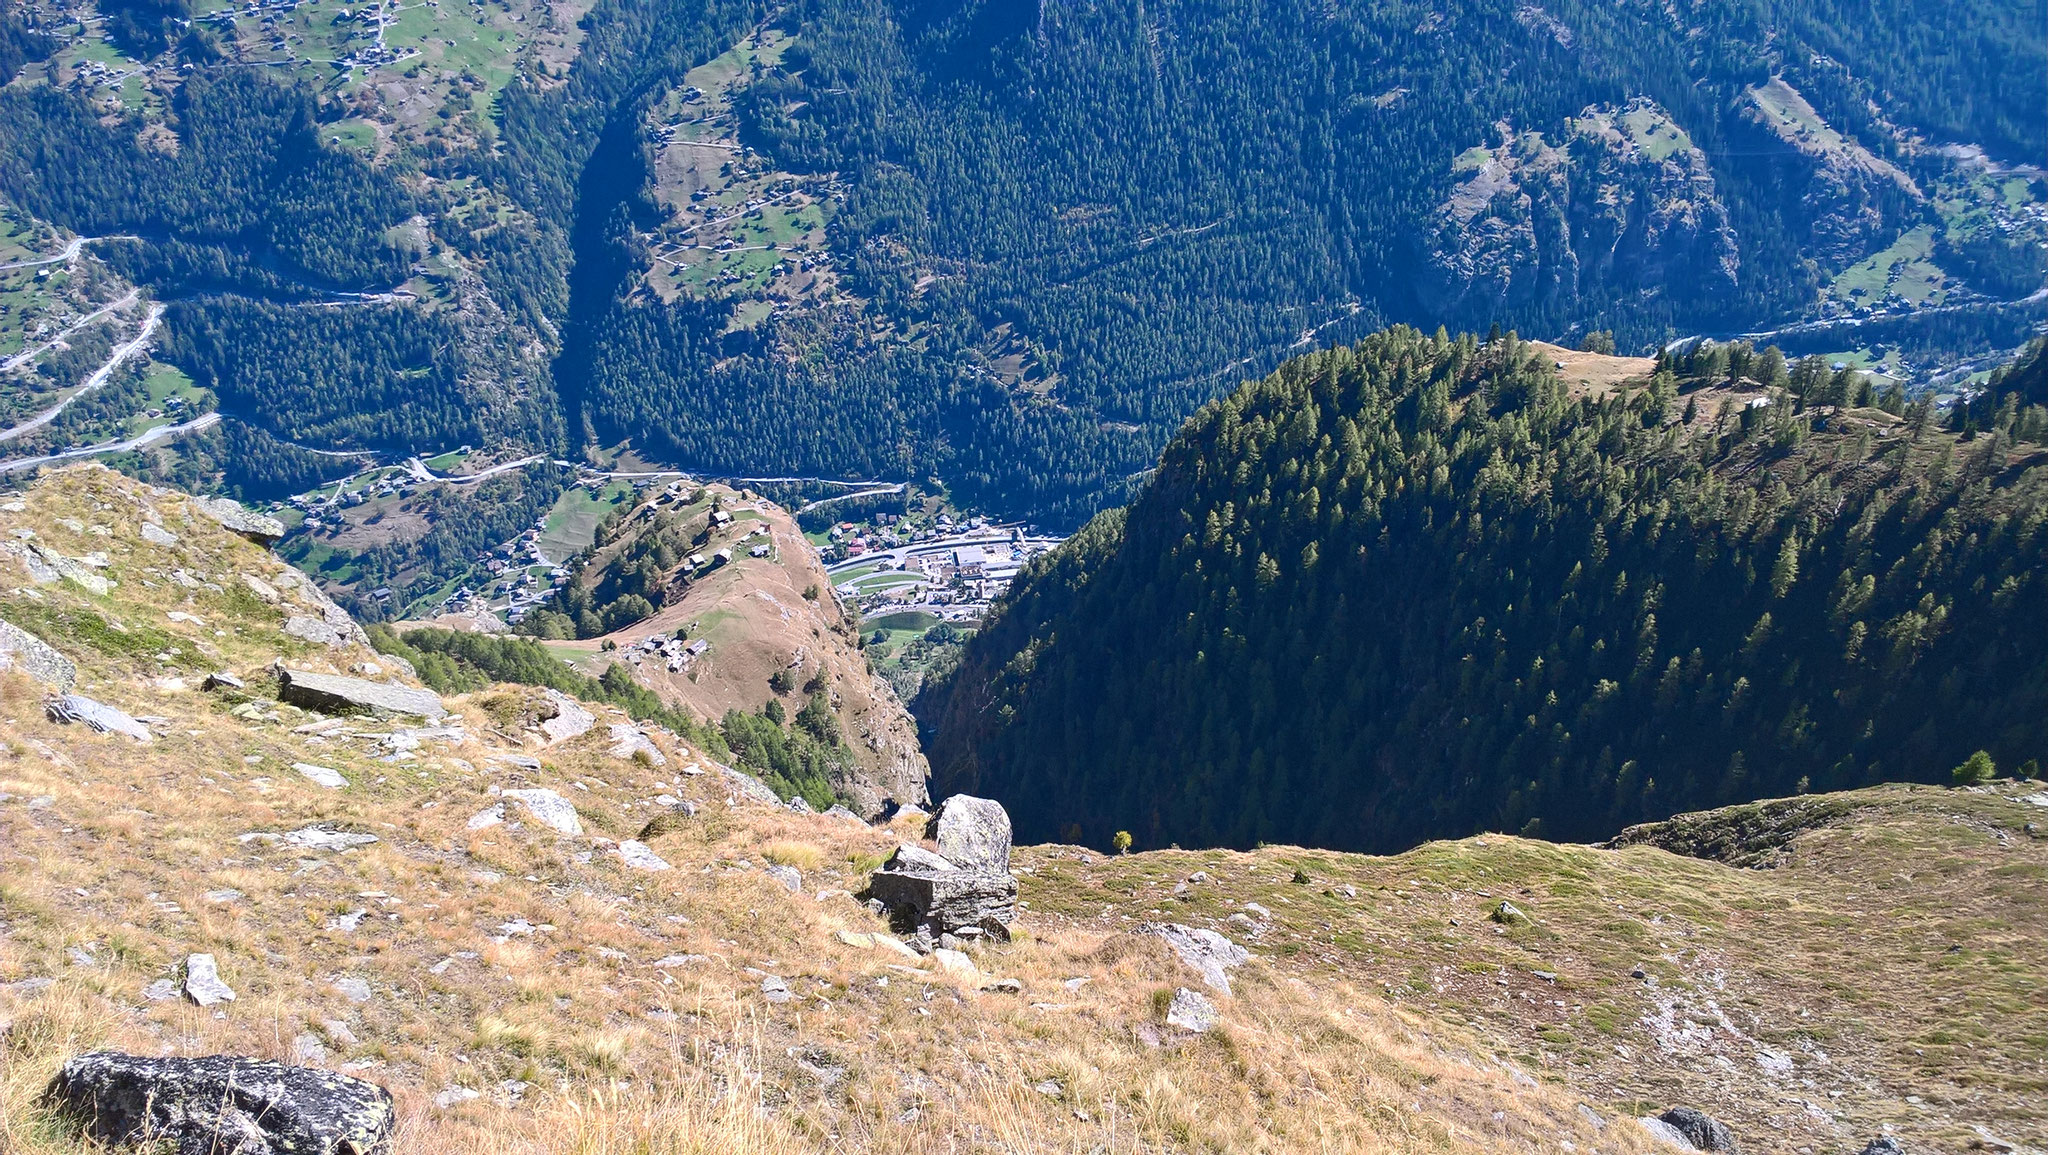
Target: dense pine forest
[(1416, 588), (1053, 231)]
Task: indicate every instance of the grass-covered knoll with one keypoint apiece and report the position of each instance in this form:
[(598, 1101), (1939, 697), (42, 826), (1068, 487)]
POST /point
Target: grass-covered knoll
[(1417, 587)]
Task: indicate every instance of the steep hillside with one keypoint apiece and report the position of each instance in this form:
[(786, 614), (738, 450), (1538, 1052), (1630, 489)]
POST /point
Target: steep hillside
[(383, 901), (674, 593), (1419, 587)]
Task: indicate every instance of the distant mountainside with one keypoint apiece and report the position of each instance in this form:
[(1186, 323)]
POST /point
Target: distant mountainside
[(1010, 247), (1422, 587)]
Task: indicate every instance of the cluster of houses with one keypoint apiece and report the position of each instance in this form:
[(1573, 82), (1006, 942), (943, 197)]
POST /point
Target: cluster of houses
[(848, 540)]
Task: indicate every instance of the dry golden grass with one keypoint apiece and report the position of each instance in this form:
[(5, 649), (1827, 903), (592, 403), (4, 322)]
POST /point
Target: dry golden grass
[(599, 1010)]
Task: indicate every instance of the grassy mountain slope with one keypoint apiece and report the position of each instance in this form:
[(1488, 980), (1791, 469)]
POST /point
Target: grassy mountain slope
[(591, 1007), (1418, 587)]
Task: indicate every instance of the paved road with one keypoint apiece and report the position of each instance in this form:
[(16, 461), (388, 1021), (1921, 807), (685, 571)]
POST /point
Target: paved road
[(148, 437), (70, 253), (99, 377)]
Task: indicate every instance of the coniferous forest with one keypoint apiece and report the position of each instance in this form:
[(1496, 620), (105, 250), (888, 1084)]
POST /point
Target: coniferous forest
[(1417, 588)]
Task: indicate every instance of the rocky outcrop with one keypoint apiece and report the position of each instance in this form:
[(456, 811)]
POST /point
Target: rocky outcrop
[(237, 518), (224, 1105), (21, 650), (1689, 1129), (334, 694), (1620, 202), (1209, 954), (937, 898)]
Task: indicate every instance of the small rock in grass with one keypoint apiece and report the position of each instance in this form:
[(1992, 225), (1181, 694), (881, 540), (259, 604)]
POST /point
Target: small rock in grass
[(639, 857), (321, 775), (202, 981), (775, 990), (308, 1050), (353, 989), (1191, 1011), (788, 876)]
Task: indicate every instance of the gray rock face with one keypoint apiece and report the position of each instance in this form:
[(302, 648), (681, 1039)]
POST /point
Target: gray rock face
[(333, 694), (789, 876), (316, 630), (748, 786), (1701, 1129), (238, 518), (628, 742), (1883, 1145), (1191, 1011), (96, 716), (224, 1105), (973, 833), (21, 650), (1210, 954), (638, 856)]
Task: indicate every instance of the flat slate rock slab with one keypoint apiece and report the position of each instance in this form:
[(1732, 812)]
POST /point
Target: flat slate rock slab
[(224, 1105), (333, 694)]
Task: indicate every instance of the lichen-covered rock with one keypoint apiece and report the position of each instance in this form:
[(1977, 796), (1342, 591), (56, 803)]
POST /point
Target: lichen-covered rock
[(571, 720), (973, 833), (334, 694), (21, 650), (550, 809), (224, 1105), (1191, 1011), (1210, 954)]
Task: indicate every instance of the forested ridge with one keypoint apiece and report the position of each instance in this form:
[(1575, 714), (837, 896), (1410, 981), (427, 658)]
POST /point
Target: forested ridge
[(1414, 588)]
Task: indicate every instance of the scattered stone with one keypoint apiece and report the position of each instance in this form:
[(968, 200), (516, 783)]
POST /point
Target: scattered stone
[(321, 775), (221, 680), (549, 809), (893, 945), (261, 588), (517, 761), (1191, 1011), (802, 805), (1005, 987), (1050, 1088), (838, 811), (308, 1050), (628, 742), (160, 991), (953, 962), (487, 818), (788, 876), (155, 534), (946, 901), (973, 834), (338, 1033), (679, 960), (224, 1103), (775, 990), (96, 716), (859, 940), (570, 719), (1508, 914), (333, 694), (76, 571), (29, 988), (237, 518), (353, 989), (1883, 1145), (316, 630), (347, 923), (639, 857), (1210, 954), (21, 650), (1257, 911), (313, 838), (453, 1097), (202, 981)]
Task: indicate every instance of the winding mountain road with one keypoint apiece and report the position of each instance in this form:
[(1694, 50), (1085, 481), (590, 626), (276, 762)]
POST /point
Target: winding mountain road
[(98, 378), (147, 437)]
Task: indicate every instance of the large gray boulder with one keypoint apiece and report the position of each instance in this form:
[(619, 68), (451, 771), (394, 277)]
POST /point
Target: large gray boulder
[(334, 694), (235, 517), (947, 902), (973, 833), (224, 1105), (21, 650)]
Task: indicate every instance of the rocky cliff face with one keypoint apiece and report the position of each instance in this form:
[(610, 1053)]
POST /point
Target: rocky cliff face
[(1621, 204)]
